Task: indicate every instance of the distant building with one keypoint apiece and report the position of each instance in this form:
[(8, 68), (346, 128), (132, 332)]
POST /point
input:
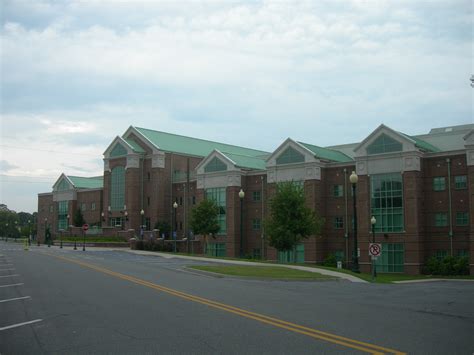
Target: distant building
[(419, 188)]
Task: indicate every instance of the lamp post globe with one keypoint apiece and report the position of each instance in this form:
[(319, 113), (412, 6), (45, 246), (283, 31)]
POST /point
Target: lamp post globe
[(355, 259)]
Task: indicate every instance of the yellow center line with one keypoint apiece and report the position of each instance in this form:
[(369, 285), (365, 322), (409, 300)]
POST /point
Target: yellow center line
[(314, 333)]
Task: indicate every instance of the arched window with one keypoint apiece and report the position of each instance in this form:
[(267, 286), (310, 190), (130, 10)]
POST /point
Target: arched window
[(118, 151), (384, 144), (117, 188), (215, 165), (289, 156)]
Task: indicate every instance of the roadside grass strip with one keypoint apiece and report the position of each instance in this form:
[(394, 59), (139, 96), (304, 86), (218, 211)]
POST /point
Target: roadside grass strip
[(265, 272), (310, 332)]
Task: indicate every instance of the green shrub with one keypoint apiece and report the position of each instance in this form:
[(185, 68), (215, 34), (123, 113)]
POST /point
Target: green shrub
[(447, 266), (330, 261)]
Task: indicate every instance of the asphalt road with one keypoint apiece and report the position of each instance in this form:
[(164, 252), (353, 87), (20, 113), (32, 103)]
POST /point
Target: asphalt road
[(115, 302)]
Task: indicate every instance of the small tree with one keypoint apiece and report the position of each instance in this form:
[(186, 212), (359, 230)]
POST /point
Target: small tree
[(204, 219), (164, 228), (78, 218), (290, 220)]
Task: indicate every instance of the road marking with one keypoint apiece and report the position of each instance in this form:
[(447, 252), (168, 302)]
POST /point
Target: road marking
[(20, 324), (314, 333), (11, 285), (15, 299), (9, 275), (7, 269)]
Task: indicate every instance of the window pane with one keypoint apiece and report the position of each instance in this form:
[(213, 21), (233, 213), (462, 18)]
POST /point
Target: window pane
[(117, 188), (387, 202), (290, 155)]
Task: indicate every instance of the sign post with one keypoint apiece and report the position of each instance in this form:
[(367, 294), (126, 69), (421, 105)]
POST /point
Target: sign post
[(375, 249)]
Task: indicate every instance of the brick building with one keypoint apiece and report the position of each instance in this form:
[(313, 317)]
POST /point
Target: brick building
[(419, 188)]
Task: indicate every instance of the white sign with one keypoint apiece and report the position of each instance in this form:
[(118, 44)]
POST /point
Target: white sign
[(375, 249)]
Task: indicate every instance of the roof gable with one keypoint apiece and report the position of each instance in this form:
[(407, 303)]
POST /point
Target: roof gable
[(174, 143), (407, 143)]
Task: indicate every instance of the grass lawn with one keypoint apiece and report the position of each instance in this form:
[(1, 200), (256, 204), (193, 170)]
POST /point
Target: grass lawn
[(264, 272)]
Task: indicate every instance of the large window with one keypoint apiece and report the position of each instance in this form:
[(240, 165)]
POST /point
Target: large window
[(118, 151), (63, 185), (439, 183), (441, 219), (218, 194), (387, 202), (215, 249), (290, 255), (62, 214), (338, 191), (117, 188), (462, 218), (289, 156), (460, 182), (384, 144), (338, 222), (392, 258), (215, 165)]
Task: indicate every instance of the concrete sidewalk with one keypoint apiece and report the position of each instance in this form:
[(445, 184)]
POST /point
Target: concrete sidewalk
[(247, 263)]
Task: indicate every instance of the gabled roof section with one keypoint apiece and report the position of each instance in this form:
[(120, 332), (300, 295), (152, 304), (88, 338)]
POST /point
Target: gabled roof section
[(95, 182), (174, 143), (62, 177), (130, 145), (424, 146), (246, 162), (327, 154), (136, 148)]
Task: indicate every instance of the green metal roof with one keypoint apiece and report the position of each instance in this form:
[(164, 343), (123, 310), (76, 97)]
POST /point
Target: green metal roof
[(193, 146), (423, 145), (79, 182), (327, 154), (246, 162), (136, 148)]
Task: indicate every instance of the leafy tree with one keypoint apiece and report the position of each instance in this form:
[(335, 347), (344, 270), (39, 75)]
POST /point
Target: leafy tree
[(290, 220), (78, 218), (164, 227), (204, 219)]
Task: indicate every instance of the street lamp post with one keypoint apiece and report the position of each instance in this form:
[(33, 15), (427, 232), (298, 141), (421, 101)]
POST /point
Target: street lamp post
[(175, 227), (355, 258), (374, 271), (241, 197), (142, 227), (16, 230), (6, 236), (29, 232), (45, 231)]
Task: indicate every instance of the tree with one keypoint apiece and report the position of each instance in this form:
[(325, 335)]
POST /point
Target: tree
[(79, 218), (164, 228), (290, 220), (204, 219)]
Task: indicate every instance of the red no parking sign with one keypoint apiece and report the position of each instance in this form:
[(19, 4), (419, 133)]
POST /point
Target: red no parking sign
[(375, 249)]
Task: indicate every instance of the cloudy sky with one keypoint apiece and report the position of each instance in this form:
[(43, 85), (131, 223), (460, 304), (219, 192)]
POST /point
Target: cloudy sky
[(75, 74)]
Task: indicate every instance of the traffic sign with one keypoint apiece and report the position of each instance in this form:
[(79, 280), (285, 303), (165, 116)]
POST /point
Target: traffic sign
[(85, 227), (375, 249)]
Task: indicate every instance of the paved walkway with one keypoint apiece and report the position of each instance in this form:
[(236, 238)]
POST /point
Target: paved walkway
[(238, 262)]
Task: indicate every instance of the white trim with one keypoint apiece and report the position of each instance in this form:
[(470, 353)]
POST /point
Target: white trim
[(14, 299), (21, 324)]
